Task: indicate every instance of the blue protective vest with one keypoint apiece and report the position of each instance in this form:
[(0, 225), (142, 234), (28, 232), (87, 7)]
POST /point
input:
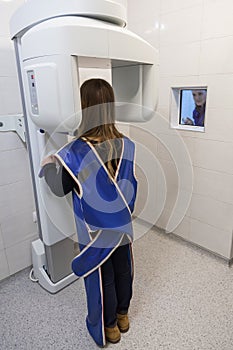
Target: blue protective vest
[(102, 211)]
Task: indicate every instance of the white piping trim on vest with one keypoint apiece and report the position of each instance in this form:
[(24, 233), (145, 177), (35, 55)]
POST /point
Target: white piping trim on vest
[(102, 301), (134, 166), (119, 164), (89, 232), (76, 192), (106, 170), (88, 245), (71, 174), (106, 258), (86, 224), (131, 260), (75, 178), (66, 144)]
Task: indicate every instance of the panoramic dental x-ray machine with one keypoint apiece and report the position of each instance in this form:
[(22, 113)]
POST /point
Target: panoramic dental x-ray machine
[(54, 41)]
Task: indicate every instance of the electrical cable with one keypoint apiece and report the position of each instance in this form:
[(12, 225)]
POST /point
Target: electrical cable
[(31, 277)]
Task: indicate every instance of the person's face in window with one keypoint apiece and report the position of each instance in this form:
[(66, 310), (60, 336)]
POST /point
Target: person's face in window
[(199, 97)]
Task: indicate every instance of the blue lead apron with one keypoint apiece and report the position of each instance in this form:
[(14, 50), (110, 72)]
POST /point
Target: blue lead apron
[(102, 210)]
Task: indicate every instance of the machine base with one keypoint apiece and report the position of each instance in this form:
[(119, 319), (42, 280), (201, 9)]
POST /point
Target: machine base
[(39, 271)]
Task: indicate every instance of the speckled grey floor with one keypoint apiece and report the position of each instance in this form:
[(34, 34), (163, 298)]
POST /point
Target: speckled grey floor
[(183, 300)]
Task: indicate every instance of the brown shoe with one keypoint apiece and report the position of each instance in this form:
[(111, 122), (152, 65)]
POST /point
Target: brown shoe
[(112, 334), (123, 323)]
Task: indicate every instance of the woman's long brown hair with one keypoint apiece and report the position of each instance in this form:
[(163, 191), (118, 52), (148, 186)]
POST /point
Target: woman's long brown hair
[(98, 116)]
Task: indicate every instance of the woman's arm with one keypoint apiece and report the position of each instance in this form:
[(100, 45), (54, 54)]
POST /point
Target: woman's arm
[(59, 180)]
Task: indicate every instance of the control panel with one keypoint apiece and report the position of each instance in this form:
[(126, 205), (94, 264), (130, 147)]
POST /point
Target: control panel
[(33, 94)]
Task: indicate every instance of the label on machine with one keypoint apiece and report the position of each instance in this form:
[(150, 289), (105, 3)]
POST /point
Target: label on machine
[(33, 94)]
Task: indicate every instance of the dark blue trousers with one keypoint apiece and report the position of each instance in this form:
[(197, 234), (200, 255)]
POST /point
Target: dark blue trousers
[(117, 285)]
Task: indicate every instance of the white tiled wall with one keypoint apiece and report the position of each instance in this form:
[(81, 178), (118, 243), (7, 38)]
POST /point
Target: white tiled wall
[(173, 6), (217, 19), (17, 229), (220, 50), (173, 24), (188, 53), (195, 42), (148, 29)]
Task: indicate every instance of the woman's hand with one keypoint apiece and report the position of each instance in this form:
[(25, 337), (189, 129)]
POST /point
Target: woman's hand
[(188, 121), (49, 159)]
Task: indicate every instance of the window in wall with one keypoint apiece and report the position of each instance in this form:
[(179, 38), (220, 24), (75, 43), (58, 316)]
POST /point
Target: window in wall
[(188, 108)]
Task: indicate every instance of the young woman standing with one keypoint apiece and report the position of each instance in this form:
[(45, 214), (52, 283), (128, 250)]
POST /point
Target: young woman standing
[(98, 167)]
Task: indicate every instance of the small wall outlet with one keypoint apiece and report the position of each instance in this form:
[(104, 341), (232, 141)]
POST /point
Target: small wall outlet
[(34, 216)]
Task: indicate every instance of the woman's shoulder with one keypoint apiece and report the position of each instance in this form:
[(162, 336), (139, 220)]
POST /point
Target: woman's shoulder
[(128, 140), (76, 145)]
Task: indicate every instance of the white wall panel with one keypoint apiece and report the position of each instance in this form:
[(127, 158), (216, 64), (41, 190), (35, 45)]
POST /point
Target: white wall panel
[(7, 58), (15, 168), (4, 268), (216, 56), (143, 22), (10, 141), (213, 155), (7, 8), (183, 230), (16, 198), (213, 184), (1, 240), (181, 60), (171, 5), (217, 18), (219, 126), (212, 238), (10, 96), (17, 228), (212, 212), (19, 256), (177, 27), (196, 49)]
